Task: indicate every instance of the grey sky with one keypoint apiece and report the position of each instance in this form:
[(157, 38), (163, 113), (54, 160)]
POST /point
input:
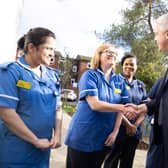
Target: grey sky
[(73, 21)]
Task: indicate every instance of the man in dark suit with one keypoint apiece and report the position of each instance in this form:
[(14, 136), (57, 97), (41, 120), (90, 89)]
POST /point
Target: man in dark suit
[(160, 103)]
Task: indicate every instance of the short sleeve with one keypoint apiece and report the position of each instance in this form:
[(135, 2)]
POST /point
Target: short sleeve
[(143, 91), (8, 90), (124, 94), (88, 85)]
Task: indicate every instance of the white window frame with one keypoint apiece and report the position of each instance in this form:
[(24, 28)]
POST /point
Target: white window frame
[(72, 81), (74, 68), (88, 65)]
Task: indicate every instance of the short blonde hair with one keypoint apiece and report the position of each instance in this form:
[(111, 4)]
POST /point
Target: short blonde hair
[(95, 61), (162, 22)]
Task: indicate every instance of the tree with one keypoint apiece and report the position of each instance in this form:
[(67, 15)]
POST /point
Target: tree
[(66, 71), (66, 68), (135, 33)]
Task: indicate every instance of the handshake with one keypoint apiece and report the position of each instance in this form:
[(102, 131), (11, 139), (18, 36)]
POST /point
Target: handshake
[(131, 111)]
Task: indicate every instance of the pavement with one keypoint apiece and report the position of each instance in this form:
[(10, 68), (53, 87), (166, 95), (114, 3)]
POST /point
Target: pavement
[(58, 156)]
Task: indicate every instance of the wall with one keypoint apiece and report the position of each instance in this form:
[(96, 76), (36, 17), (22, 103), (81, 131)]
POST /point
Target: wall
[(10, 14)]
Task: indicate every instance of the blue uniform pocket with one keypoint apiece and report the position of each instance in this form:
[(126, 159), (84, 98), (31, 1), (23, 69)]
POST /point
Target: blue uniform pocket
[(24, 94), (86, 136), (16, 151), (81, 134)]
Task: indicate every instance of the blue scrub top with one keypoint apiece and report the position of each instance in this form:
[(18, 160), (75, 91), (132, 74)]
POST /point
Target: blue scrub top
[(89, 129), (137, 94), (35, 100)]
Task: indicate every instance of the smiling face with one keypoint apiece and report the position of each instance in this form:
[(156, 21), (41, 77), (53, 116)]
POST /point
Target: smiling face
[(42, 54), (108, 58), (46, 51), (129, 67)]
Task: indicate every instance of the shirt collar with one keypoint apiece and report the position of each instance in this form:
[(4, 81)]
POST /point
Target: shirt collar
[(22, 62), (102, 73), (130, 83)]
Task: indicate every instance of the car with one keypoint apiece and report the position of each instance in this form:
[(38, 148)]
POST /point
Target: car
[(68, 94)]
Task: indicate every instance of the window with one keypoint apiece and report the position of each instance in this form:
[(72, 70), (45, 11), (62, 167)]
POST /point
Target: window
[(74, 68), (88, 65), (72, 81)]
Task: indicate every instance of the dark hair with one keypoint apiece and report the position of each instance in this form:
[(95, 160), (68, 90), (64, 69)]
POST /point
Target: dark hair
[(37, 36), (20, 43), (128, 55)]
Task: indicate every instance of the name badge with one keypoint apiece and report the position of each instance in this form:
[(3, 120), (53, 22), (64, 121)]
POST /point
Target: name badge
[(23, 84), (117, 90)]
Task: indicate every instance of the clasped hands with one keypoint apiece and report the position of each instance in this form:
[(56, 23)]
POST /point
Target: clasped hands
[(131, 111), (44, 143)]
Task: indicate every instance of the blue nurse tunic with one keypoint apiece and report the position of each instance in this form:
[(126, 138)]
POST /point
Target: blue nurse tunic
[(35, 99), (137, 94), (89, 129)]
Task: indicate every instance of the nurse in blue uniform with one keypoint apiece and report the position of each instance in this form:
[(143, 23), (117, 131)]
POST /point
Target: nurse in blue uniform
[(29, 99), (102, 94), (123, 152)]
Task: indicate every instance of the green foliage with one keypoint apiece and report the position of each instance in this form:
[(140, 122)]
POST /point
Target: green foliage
[(147, 51), (70, 109), (118, 68), (148, 73), (150, 61), (66, 72), (136, 32)]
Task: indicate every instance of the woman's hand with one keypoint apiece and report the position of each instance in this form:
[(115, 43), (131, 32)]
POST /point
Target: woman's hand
[(111, 139), (131, 129), (55, 141), (130, 110), (43, 143)]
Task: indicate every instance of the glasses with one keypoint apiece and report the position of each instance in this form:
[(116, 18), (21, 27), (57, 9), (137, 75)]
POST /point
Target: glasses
[(109, 52)]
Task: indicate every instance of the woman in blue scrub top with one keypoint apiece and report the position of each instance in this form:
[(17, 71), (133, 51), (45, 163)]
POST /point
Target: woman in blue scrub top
[(123, 152), (29, 99), (99, 111)]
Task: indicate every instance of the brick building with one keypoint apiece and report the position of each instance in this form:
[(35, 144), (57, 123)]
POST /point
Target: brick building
[(70, 69)]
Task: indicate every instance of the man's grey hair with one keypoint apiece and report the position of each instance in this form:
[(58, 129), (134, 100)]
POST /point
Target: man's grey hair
[(162, 22)]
